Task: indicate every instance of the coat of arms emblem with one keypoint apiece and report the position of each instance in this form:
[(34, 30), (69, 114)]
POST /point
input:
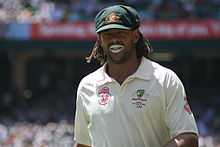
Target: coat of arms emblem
[(104, 96), (113, 17)]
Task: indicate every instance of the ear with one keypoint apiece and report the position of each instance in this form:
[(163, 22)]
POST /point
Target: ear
[(136, 34), (99, 38)]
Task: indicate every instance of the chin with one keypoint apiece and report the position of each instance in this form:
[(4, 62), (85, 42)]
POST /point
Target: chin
[(117, 61)]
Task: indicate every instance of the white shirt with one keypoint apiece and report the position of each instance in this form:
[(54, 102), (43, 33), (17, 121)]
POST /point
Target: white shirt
[(147, 110)]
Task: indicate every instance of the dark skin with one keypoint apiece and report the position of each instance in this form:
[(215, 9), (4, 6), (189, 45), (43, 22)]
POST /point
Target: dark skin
[(125, 63)]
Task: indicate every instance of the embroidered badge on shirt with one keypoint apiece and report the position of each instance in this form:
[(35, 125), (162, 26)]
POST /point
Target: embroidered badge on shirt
[(139, 100), (186, 106), (104, 96)]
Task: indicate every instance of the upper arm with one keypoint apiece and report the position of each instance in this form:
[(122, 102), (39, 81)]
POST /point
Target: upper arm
[(81, 132), (178, 116)]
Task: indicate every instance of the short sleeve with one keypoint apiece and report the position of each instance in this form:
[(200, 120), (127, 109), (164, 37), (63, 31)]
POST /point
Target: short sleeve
[(81, 133), (178, 115)]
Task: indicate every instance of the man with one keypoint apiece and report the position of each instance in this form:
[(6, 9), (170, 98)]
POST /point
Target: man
[(130, 101)]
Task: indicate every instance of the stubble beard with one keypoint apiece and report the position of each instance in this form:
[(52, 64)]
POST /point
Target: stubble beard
[(124, 57)]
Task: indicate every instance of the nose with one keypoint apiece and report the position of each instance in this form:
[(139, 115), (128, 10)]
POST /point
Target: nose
[(114, 41)]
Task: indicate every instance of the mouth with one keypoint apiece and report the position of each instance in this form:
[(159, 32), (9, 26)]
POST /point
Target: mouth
[(116, 48)]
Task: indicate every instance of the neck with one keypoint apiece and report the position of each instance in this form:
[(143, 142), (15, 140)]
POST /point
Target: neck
[(120, 72)]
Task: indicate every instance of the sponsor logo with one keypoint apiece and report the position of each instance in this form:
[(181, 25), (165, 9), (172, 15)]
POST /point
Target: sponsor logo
[(139, 101), (104, 96)]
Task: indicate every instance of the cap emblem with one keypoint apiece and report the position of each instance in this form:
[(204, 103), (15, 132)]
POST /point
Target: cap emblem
[(111, 18)]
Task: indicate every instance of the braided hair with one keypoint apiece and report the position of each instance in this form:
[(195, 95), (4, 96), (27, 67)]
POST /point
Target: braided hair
[(143, 48)]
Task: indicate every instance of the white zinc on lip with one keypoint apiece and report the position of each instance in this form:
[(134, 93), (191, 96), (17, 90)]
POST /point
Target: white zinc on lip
[(116, 48)]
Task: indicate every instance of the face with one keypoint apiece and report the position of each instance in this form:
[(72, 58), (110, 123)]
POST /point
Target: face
[(118, 45)]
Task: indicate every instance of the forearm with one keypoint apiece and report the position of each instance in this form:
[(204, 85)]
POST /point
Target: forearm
[(184, 140), (80, 145)]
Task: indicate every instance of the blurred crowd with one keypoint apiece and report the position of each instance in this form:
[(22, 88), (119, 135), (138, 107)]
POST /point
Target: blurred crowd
[(59, 134), (47, 108), (56, 134), (28, 11), (36, 135)]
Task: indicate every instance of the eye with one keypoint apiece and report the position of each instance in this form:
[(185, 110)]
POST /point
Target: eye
[(107, 33), (118, 34), (122, 33)]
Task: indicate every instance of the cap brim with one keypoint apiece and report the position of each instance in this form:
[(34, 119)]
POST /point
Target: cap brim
[(112, 26)]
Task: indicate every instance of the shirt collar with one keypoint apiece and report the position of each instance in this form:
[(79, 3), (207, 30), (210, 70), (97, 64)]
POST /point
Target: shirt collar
[(144, 71), (104, 77)]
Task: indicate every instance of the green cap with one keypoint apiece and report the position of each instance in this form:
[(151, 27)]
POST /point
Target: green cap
[(117, 17)]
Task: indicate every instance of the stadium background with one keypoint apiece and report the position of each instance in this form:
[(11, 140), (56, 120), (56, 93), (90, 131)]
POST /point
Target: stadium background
[(43, 44)]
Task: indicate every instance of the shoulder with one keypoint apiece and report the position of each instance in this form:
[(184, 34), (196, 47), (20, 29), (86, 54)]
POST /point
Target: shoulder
[(92, 78), (162, 73), (166, 78)]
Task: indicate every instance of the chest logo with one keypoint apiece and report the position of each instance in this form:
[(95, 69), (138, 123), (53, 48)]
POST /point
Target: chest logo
[(104, 96), (139, 100)]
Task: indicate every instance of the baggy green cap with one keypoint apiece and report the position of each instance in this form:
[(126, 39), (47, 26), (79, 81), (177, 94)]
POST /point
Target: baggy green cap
[(117, 17)]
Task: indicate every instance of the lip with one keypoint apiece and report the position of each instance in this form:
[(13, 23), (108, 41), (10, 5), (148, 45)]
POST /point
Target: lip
[(116, 48)]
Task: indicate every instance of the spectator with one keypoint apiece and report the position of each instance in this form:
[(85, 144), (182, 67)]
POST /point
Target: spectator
[(56, 11), (32, 134)]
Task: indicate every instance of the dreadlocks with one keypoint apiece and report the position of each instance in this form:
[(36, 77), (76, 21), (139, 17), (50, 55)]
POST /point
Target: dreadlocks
[(143, 48)]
